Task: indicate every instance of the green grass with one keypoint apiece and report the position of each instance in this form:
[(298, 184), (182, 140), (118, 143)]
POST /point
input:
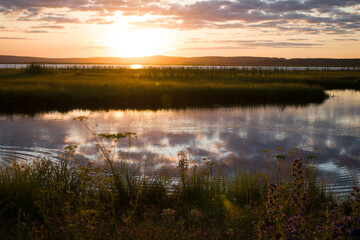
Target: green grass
[(37, 89), (115, 199)]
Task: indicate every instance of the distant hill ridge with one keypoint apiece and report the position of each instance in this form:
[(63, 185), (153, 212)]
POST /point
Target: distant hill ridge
[(210, 60)]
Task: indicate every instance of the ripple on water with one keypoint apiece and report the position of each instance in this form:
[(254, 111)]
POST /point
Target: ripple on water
[(10, 153), (332, 127)]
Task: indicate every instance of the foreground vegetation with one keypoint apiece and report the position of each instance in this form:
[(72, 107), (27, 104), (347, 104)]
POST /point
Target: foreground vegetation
[(37, 88), (117, 199)]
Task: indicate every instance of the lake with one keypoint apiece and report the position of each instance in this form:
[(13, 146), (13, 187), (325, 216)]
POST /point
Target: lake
[(330, 130)]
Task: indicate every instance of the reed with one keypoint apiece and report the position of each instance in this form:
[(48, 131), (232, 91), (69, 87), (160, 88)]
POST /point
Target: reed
[(37, 88)]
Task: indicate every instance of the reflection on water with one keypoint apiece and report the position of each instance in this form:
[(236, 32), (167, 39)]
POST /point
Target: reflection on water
[(136, 66), (219, 133)]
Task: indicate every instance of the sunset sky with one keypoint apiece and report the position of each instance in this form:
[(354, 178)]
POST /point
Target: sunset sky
[(130, 28)]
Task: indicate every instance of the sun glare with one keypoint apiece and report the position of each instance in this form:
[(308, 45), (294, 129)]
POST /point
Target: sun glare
[(137, 43), (136, 66)]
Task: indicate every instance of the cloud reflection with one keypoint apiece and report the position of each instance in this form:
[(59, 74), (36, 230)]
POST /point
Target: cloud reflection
[(220, 133)]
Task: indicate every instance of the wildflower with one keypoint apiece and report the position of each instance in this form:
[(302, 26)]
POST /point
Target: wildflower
[(297, 228), (259, 230), (298, 192), (324, 230), (275, 212), (273, 207)]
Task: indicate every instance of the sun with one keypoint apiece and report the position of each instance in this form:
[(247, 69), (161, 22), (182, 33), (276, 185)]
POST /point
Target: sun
[(137, 42)]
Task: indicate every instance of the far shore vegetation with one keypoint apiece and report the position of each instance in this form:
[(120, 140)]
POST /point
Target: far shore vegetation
[(37, 88), (116, 198)]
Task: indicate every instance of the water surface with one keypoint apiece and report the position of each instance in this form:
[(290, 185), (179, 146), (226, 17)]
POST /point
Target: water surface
[(333, 128)]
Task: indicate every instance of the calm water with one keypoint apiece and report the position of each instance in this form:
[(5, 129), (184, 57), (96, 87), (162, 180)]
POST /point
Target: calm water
[(219, 133)]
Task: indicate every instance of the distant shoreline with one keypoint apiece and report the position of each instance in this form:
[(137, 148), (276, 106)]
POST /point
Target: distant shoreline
[(152, 66), (197, 61)]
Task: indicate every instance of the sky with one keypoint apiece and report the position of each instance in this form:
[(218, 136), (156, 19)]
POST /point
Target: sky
[(188, 28)]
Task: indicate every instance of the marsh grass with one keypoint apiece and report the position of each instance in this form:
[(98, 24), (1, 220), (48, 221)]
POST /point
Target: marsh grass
[(37, 88), (117, 199), (36, 69)]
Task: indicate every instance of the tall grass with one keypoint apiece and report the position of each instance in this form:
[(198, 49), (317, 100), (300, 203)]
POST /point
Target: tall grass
[(36, 69), (117, 199), (37, 88)]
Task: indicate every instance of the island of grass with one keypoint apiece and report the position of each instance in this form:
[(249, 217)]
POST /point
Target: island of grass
[(36, 88)]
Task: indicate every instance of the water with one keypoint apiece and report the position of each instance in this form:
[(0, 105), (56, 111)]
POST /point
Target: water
[(137, 66), (237, 133)]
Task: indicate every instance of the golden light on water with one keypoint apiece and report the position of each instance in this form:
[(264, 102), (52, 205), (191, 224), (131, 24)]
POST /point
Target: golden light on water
[(136, 66)]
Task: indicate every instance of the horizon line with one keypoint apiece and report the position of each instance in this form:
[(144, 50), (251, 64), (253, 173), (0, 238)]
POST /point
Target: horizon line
[(202, 56)]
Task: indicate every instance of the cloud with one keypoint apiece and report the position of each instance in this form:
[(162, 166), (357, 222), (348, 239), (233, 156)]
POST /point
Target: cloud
[(50, 18), (346, 39), (284, 44), (296, 39), (213, 48), (311, 16), (127, 6), (245, 44), (289, 15), (98, 21), (19, 5), (36, 31), (14, 38), (197, 41), (58, 19), (48, 27)]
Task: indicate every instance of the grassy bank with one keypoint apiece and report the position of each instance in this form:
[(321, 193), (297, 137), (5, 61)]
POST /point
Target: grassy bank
[(39, 89), (116, 199)]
